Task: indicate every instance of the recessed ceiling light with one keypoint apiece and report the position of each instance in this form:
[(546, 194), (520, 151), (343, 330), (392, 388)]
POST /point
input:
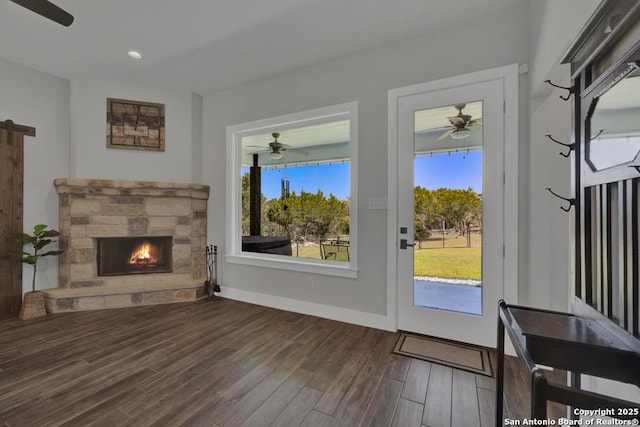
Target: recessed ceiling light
[(134, 54)]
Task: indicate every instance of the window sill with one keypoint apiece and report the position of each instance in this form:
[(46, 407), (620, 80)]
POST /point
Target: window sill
[(304, 265)]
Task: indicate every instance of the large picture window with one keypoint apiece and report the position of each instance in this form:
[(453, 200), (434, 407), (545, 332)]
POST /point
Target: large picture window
[(291, 192)]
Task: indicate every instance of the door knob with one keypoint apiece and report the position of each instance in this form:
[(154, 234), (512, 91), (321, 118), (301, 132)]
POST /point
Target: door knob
[(404, 244)]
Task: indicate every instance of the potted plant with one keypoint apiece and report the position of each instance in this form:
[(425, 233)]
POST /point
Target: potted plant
[(33, 304)]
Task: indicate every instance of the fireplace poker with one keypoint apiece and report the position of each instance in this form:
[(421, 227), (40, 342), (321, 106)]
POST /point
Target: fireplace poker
[(216, 285), (211, 284)]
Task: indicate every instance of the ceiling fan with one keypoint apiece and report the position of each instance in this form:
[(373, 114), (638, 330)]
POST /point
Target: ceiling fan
[(277, 149), (48, 10), (461, 125)]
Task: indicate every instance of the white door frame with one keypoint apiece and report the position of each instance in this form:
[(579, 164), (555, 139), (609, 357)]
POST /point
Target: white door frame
[(509, 75)]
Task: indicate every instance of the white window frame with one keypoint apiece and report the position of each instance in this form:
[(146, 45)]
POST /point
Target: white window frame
[(235, 133)]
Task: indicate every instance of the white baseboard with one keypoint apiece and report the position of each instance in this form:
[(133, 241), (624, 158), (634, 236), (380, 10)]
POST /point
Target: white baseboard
[(376, 321)]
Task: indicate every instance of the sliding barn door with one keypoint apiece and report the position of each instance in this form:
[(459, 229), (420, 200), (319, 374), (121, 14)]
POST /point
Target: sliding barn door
[(11, 186)]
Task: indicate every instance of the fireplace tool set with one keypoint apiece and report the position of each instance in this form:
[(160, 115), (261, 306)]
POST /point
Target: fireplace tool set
[(211, 285)]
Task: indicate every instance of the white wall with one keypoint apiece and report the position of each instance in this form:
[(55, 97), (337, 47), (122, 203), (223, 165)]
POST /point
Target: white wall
[(553, 27), (36, 99), (196, 139), (547, 237), (90, 157), (363, 77)]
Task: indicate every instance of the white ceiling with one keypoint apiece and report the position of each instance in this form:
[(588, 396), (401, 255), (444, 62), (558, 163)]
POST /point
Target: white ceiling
[(209, 45)]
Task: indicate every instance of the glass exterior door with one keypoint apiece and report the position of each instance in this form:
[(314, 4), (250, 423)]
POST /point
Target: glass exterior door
[(450, 210)]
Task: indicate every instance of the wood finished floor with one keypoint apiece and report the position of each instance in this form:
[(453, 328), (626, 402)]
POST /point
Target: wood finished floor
[(223, 363)]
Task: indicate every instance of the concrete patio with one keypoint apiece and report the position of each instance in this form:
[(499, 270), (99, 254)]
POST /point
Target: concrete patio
[(447, 294)]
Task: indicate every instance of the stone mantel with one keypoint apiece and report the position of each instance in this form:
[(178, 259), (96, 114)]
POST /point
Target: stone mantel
[(111, 187), (94, 208)]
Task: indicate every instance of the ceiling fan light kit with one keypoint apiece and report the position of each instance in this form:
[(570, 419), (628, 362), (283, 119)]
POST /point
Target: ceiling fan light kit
[(461, 134), (48, 10)]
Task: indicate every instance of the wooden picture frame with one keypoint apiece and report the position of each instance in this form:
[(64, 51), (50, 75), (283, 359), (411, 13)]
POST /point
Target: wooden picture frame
[(135, 125)]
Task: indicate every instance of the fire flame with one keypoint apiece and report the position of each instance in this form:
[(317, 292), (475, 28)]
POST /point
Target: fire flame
[(142, 255)]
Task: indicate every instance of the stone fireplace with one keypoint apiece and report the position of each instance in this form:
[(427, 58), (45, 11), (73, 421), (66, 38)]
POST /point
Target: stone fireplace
[(129, 243)]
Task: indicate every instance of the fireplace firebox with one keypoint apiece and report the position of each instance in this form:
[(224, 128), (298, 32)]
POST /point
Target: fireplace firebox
[(134, 255)]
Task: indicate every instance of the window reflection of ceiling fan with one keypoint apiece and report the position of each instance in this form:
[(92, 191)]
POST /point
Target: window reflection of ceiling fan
[(48, 10), (277, 149), (462, 125)]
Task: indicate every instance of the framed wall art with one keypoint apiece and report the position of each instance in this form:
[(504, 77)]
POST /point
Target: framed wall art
[(135, 125)]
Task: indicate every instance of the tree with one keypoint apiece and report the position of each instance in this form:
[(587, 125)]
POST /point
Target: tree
[(308, 214), (299, 215), (420, 233), (457, 208), (427, 208), (246, 192), (279, 212)]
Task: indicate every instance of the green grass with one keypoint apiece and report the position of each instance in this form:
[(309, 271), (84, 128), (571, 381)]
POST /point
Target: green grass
[(459, 263), (455, 260), (312, 250)]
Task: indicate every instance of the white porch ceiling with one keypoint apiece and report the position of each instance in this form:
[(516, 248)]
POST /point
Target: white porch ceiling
[(208, 45), (329, 142)]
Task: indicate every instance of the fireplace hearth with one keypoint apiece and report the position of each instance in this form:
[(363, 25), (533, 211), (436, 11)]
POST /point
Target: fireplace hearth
[(118, 256)]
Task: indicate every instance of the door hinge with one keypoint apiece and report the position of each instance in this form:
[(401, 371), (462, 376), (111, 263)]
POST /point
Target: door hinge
[(504, 251), (504, 178), (504, 107)]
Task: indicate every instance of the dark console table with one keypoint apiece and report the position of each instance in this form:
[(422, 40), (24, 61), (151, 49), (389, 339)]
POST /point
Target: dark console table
[(572, 343)]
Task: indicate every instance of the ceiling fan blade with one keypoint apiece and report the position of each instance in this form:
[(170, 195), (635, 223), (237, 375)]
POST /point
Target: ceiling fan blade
[(430, 130), (457, 120), (294, 150), (446, 134), (48, 10)]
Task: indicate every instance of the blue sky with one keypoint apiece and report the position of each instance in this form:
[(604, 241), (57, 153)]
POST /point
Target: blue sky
[(329, 177), (459, 170)]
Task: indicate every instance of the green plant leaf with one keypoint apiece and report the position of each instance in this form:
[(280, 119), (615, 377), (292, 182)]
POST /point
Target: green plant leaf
[(51, 253), (38, 229), (25, 238), (40, 238), (42, 243), (50, 233), (30, 259)]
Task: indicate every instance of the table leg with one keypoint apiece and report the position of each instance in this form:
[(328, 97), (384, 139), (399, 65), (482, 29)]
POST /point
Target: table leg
[(500, 373), (538, 395)]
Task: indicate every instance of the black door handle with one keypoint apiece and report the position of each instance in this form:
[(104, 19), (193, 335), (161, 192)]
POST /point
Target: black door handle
[(404, 244)]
